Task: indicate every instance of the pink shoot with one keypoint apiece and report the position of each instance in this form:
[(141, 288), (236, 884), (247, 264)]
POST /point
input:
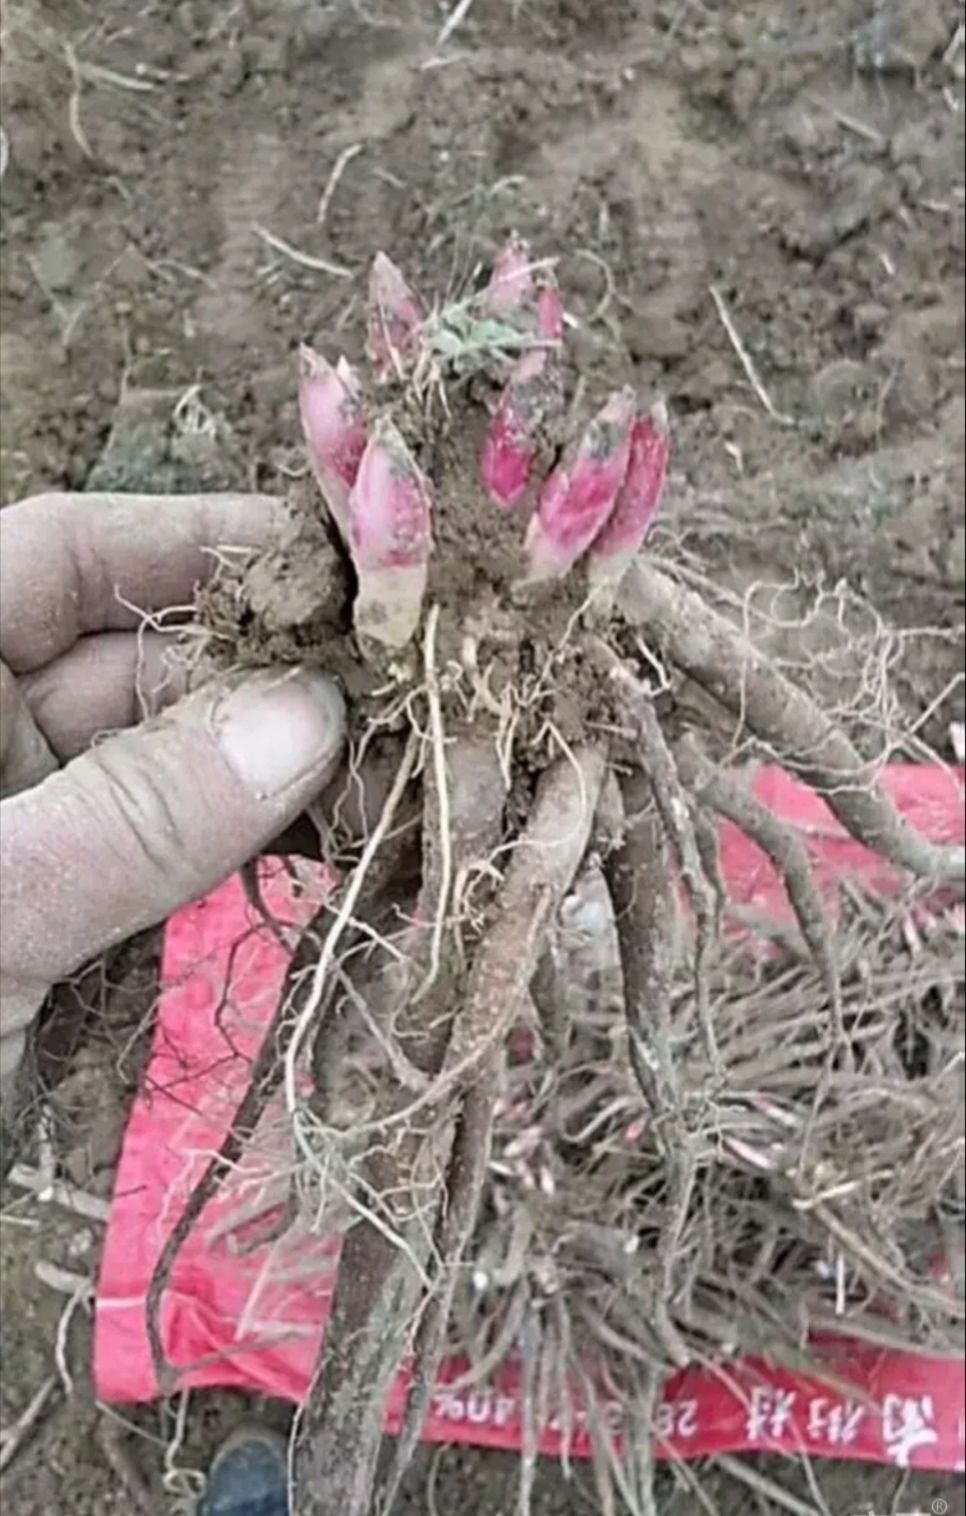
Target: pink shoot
[(511, 284), (513, 437), (395, 315), (579, 495), (637, 503), (390, 534), (550, 311), (529, 401), (330, 404)]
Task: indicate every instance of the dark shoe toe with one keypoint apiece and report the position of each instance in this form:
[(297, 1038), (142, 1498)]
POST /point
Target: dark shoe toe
[(249, 1477)]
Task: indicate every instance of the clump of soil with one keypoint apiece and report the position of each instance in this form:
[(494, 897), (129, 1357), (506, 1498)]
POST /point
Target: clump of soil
[(287, 604)]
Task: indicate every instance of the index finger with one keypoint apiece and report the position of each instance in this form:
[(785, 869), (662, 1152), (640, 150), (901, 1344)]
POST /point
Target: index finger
[(73, 564)]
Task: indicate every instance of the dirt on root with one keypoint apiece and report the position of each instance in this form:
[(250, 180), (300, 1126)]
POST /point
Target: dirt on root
[(162, 258)]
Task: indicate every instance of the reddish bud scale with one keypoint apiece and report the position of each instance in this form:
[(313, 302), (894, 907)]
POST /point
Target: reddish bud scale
[(396, 315), (330, 405), (531, 395), (391, 537), (389, 507), (640, 495), (638, 501), (529, 400), (579, 496), (550, 311), (511, 283)]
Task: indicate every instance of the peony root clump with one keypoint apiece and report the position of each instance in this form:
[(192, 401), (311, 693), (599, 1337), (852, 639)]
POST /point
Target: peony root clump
[(480, 580)]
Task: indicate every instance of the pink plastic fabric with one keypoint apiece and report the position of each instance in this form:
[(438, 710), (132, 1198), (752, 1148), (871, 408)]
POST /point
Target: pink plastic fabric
[(247, 1309)]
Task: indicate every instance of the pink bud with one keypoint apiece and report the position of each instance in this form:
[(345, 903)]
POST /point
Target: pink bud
[(511, 284), (529, 402), (389, 507), (330, 404), (390, 528), (395, 315), (550, 311), (637, 502), (579, 495), (531, 394)]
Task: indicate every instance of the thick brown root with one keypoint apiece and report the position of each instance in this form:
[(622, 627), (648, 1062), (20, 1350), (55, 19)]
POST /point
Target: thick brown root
[(544, 862), (726, 664), (674, 809), (645, 905)]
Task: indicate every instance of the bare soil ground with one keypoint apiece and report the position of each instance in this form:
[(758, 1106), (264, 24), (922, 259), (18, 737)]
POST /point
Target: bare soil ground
[(163, 255)]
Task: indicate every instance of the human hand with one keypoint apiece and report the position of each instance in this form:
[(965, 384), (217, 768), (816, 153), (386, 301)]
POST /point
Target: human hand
[(187, 789)]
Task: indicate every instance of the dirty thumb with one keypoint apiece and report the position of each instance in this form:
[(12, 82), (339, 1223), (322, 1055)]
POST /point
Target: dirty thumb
[(152, 818)]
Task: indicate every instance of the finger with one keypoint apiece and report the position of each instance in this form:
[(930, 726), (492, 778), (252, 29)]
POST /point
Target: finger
[(104, 683), (25, 755), (70, 562), (155, 817)]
